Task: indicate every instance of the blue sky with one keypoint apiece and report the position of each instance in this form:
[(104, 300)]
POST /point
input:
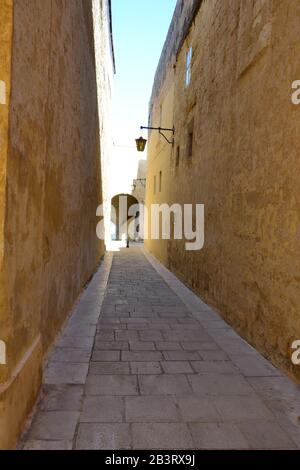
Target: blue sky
[(140, 28)]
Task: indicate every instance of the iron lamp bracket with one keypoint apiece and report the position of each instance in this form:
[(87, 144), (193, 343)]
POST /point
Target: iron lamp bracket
[(161, 130)]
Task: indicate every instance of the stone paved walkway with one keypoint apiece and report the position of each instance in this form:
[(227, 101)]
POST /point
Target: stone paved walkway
[(144, 364)]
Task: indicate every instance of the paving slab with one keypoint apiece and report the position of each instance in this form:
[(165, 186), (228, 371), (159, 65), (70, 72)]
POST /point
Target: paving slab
[(70, 342), (142, 356), (48, 445), (162, 436), (95, 436), (194, 408), (111, 385), (163, 384), (54, 425), (216, 384), (61, 398), (177, 367), (150, 409), (109, 368), (101, 345), (218, 436), (71, 355), (102, 409), (109, 356), (266, 435), (141, 346), (145, 368), (66, 373)]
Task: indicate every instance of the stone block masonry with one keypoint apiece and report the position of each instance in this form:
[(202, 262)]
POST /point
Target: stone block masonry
[(50, 186), (236, 151)]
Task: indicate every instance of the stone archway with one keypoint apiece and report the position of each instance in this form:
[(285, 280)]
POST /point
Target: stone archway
[(120, 218)]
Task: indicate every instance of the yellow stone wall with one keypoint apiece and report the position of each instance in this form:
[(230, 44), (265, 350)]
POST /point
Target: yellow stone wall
[(245, 165), (139, 184), (5, 74), (50, 186), (158, 168)]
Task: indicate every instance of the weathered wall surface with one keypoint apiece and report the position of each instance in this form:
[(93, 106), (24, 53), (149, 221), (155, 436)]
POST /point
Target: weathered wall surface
[(158, 167), (5, 75), (139, 184), (245, 163), (53, 187), (105, 65)]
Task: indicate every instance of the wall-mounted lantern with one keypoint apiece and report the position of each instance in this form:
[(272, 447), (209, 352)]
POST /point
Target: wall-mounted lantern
[(141, 142)]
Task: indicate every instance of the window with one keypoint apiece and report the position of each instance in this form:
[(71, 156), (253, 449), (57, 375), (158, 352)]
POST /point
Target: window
[(188, 68), (190, 139), (154, 185), (160, 181), (177, 156)]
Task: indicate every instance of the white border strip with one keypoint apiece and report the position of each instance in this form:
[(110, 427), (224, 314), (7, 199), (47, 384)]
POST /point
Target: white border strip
[(2, 92)]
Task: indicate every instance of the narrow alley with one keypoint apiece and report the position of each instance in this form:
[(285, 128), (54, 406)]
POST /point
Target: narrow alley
[(149, 228), (143, 363)]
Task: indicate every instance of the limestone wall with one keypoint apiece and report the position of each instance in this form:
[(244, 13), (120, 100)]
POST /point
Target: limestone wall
[(50, 186), (244, 166), (105, 65), (139, 184)]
